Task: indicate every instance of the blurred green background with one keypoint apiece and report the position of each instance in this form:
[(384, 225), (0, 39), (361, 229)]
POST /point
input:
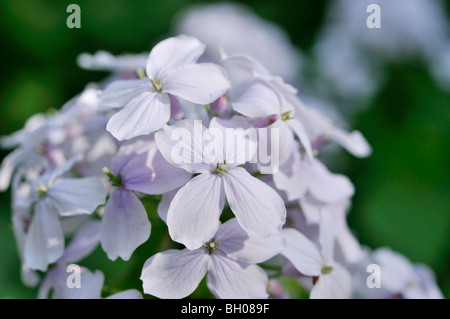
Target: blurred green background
[(402, 195)]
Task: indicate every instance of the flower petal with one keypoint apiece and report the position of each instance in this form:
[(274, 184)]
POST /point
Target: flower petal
[(126, 294), (143, 115), (258, 208), (230, 279), (119, 93), (302, 252), (193, 216), (125, 225), (150, 173), (174, 273), (182, 145), (45, 241), (198, 83), (299, 130), (75, 196), (171, 53), (84, 242), (259, 100), (237, 245), (327, 229), (353, 142), (91, 284)]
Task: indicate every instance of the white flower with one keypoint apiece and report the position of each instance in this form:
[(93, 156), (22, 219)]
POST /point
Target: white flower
[(171, 70), (229, 258), (193, 215)]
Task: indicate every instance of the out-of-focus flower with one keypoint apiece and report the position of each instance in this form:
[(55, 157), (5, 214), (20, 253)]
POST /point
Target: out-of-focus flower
[(171, 70), (237, 30)]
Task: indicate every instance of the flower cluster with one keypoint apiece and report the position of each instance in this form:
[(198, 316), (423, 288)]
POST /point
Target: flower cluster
[(235, 155)]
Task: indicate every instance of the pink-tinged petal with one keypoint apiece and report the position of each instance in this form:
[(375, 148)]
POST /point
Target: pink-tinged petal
[(45, 241), (302, 252), (143, 115), (299, 130), (172, 53), (335, 285), (84, 242), (182, 145), (258, 208), (230, 279), (150, 173), (198, 83), (353, 142), (127, 294), (193, 216), (219, 107), (119, 93), (76, 196), (125, 225), (174, 273), (259, 100), (175, 110), (237, 245)]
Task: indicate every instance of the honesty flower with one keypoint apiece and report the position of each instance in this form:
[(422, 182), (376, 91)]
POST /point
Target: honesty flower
[(400, 277), (57, 196), (138, 167), (298, 178), (171, 71), (83, 243), (193, 215), (331, 280), (229, 258), (262, 100)]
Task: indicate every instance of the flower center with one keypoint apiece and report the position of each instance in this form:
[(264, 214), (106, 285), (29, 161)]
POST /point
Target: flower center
[(157, 85), (326, 270), (211, 246), (221, 168), (41, 190), (286, 116), (115, 180)]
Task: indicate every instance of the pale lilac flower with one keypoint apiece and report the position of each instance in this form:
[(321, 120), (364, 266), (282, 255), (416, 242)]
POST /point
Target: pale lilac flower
[(57, 196), (83, 243), (401, 277), (139, 167), (193, 215), (171, 70), (228, 258), (331, 280)]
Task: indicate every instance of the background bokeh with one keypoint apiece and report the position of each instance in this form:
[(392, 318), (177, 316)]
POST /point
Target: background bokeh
[(402, 195)]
